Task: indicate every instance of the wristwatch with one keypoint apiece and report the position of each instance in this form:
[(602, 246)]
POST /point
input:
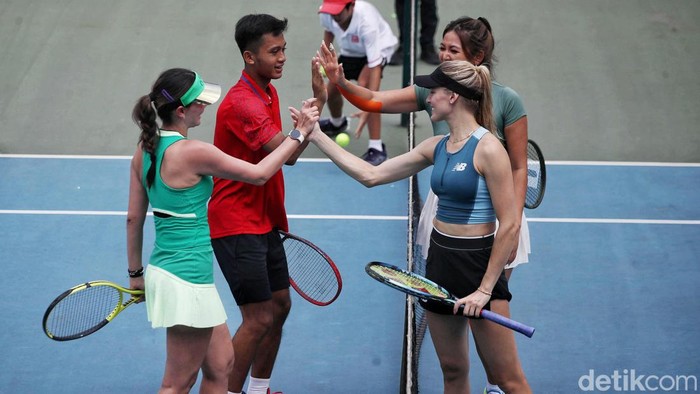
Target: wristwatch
[(296, 135)]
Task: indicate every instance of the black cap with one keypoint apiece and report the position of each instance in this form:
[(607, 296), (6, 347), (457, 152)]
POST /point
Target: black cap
[(439, 79)]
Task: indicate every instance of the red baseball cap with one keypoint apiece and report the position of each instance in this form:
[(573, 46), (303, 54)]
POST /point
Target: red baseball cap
[(333, 7)]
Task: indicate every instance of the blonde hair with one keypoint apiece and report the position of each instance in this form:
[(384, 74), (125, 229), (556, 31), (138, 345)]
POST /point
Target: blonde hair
[(477, 79)]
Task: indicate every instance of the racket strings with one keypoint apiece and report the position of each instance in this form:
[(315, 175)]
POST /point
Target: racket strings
[(82, 311), (535, 179), (409, 281), (310, 271)]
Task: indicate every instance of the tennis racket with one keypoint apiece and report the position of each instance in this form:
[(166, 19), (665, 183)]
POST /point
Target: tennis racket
[(85, 308), (536, 176), (312, 273), (425, 289)]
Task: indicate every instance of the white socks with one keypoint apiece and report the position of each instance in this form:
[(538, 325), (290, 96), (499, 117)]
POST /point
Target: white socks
[(258, 386), (337, 121), (376, 144), (492, 387)]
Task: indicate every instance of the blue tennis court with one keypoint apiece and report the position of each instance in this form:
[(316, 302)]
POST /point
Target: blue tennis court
[(612, 282), (610, 287)]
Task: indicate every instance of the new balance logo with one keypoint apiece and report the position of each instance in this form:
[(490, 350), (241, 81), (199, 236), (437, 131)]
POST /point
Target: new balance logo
[(460, 167)]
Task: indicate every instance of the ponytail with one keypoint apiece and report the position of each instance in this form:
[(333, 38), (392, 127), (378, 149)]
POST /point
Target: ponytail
[(144, 115), (477, 80), (484, 115)]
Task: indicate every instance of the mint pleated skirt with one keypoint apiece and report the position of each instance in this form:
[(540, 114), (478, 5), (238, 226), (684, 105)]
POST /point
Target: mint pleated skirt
[(172, 301)]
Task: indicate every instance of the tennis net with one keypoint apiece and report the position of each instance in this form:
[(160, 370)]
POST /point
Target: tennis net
[(415, 323)]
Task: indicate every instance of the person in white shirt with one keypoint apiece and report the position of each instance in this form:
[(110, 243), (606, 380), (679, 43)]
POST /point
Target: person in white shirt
[(366, 44)]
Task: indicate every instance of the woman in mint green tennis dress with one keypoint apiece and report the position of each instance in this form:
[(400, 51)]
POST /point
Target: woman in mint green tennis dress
[(173, 175)]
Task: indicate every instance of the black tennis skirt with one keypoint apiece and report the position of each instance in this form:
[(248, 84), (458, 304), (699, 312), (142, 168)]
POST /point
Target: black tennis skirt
[(458, 265)]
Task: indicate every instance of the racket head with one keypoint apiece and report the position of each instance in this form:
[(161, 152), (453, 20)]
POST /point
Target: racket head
[(536, 175), (85, 308), (423, 288), (312, 273), (408, 282)]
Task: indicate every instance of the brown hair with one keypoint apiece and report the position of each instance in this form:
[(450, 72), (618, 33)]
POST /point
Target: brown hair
[(163, 100), (476, 37)]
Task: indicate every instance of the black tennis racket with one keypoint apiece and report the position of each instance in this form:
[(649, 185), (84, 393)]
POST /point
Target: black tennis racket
[(536, 176), (425, 289), (312, 273), (85, 308)]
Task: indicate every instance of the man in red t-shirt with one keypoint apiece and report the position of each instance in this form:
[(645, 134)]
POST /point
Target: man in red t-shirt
[(244, 218)]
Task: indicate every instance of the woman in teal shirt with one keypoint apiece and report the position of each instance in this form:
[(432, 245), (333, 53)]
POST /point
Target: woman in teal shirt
[(173, 174)]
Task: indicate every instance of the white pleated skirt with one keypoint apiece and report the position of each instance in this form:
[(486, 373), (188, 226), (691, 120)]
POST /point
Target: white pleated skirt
[(172, 301)]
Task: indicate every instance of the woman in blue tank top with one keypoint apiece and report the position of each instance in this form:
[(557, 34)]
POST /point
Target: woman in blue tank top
[(469, 39), (173, 175), (474, 183)]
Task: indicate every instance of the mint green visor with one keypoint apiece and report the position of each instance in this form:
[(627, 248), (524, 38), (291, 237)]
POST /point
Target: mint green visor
[(207, 93)]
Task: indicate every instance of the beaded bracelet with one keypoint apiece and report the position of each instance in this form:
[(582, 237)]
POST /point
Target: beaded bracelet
[(136, 274)]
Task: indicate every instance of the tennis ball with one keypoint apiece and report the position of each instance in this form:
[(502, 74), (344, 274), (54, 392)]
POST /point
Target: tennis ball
[(342, 139), (322, 70)]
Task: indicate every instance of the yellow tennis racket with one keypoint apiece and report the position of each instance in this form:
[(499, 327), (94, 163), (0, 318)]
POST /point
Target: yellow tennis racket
[(418, 286), (85, 308)]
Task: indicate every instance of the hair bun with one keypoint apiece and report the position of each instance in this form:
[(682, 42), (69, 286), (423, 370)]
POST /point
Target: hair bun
[(486, 23)]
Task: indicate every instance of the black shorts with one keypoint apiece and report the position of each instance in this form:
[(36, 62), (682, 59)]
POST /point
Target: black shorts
[(458, 265), (254, 266), (352, 66)]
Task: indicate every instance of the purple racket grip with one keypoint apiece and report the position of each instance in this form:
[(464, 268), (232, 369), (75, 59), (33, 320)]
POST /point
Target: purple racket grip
[(510, 323), (504, 321)]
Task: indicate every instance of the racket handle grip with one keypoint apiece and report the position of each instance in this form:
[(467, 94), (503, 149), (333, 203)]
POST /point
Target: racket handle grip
[(506, 322)]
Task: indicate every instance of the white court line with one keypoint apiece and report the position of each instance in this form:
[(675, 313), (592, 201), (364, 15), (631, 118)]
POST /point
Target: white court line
[(613, 221), (348, 217), (363, 217), (68, 213), (367, 217), (325, 160), (619, 163), (71, 157), (123, 213)]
